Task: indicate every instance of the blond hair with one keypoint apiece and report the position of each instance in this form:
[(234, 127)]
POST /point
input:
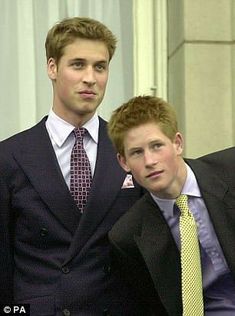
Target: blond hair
[(65, 32)]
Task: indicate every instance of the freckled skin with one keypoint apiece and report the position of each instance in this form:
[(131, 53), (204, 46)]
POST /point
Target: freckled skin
[(154, 160)]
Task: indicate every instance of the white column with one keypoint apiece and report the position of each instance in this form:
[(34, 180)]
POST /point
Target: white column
[(26, 64), (150, 47)]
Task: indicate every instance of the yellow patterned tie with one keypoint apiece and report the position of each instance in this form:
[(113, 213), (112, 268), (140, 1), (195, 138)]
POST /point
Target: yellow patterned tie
[(192, 293)]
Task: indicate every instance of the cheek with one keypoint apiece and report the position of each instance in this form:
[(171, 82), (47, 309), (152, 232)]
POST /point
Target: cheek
[(66, 82), (172, 163), (136, 170), (169, 161), (169, 157), (62, 88), (102, 81), (69, 76)]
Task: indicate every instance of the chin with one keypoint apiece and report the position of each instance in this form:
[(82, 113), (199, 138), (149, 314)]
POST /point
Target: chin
[(87, 109), (160, 192)]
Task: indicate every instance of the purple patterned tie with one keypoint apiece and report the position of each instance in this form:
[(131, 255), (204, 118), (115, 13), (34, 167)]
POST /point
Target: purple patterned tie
[(80, 170)]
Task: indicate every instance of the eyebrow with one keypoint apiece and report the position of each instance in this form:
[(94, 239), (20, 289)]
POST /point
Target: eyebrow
[(133, 149), (84, 60), (157, 140)]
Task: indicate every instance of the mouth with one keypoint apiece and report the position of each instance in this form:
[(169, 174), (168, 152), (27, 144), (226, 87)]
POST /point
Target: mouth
[(154, 174), (87, 94)]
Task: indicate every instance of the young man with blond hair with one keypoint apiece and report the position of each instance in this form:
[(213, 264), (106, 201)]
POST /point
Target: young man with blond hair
[(147, 239), (54, 248)]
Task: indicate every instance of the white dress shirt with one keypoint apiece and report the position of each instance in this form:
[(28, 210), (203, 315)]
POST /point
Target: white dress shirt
[(63, 139)]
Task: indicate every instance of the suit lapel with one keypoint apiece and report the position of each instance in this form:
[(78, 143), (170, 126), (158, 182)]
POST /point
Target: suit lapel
[(38, 161), (220, 202), (107, 182), (108, 177), (161, 255)]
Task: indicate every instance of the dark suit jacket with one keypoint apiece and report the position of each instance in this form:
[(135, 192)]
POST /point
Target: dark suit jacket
[(50, 256), (223, 163), (145, 249)]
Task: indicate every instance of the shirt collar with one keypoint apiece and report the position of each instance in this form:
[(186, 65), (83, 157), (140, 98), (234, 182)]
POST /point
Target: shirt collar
[(92, 127), (190, 188), (60, 129)]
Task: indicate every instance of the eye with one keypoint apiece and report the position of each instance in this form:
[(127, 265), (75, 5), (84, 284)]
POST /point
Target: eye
[(78, 64), (136, 152), (100, 67), (157, 145)]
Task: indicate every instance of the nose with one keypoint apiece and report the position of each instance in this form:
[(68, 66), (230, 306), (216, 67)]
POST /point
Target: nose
[(89, 76), (150, 159)]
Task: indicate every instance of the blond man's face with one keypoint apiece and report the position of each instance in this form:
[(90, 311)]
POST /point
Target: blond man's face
[(79, 79)]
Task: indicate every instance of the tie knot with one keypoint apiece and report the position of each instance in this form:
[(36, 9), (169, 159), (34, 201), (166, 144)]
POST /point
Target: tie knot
[(79, 132), (182, 203)]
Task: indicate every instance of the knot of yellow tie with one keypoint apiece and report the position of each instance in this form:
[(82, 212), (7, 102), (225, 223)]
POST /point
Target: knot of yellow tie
[(182, 203)]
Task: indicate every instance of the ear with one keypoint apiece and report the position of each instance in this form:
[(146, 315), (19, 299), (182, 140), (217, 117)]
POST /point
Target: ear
[(178, 143), (52, 68), (122, 161)]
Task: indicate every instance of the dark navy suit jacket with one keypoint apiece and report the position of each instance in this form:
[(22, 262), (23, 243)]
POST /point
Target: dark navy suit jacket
[(50, 256)]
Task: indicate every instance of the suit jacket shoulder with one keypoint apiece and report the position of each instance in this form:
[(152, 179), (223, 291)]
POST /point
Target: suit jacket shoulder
[(130, 223), (37, 129), (225, 156), (222, 163)]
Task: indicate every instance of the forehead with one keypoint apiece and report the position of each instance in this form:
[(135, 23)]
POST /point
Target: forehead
[(142, 134), (86, 48)]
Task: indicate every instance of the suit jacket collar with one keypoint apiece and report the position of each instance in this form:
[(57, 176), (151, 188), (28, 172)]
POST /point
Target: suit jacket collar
[(37, 159), (161, 256), (220, 202)]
